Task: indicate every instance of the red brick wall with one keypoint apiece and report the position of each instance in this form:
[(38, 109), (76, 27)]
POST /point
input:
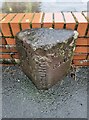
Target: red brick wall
[(12, 23)]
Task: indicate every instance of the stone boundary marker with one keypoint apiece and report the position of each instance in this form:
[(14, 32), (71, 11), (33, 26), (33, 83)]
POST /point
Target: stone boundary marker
[(12, 23)]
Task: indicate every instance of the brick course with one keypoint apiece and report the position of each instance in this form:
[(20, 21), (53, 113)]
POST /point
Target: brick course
[(12, 23)]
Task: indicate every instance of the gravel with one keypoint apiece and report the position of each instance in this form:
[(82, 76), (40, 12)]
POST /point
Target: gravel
[(21, 99)]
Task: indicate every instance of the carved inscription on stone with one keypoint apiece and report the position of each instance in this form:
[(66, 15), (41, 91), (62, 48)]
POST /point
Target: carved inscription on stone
[(42, 72)]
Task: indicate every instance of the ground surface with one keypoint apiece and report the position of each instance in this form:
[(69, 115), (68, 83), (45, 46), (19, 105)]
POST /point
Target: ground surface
[(67, 99)]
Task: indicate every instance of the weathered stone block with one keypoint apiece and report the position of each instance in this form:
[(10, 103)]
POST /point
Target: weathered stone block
[(45, 54)]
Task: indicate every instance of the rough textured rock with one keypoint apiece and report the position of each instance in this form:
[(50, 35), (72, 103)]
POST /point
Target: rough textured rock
[(45, 54)]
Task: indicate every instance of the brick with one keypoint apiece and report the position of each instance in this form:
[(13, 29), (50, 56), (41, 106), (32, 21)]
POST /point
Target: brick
[(13, 49), (7, 50), (82, 23), (2, 15), (15, 23), (5, 26), (2, 41), (16, 56), (82, 50), (36, 22), (25, 22), (6, 64), (82, 41), (86, 14), (48, 20), (58, 20), (5, 56), (10, 41), (70, 21), (4, 50), (80, 63), (80, 57)]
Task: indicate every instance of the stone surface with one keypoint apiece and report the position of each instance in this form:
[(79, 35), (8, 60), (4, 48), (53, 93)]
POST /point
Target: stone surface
[(45, 54)]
